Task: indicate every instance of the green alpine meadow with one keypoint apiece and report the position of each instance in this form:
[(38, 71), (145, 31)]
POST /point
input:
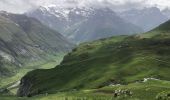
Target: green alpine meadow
[(84, 50)]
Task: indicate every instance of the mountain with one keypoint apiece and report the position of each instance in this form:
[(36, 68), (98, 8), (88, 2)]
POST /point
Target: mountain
[(102, 23), (166, 12), (116, 60), (24, 40), (54, 19), (59, 18), (84, 24), (147, 18)]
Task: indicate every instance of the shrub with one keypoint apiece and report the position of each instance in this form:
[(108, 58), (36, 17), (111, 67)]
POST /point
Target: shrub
[(163, 96)]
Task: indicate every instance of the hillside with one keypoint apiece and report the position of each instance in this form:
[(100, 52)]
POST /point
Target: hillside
[(82, 24), (161, 32), (116, 60), (25, 40)]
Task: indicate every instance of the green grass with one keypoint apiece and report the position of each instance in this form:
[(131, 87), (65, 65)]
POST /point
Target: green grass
[(118, 60), (140, 91), (93, 65)]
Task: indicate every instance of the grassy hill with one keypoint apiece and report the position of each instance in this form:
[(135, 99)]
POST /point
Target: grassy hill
[(117, 60)]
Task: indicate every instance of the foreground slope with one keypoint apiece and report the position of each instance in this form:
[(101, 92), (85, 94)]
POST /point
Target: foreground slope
[(25, 40), (150, 89), (116, 60)]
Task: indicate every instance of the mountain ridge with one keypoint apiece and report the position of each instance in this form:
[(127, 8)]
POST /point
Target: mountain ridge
[(24, 40), (74, 21), (146, 18)]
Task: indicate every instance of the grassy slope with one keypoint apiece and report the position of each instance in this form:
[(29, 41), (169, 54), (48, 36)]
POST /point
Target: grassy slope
[(97, 64), (123, 59), (140, 91)]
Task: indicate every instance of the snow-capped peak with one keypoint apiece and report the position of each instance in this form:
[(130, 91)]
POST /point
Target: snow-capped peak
[(63, 12), (52, 5)]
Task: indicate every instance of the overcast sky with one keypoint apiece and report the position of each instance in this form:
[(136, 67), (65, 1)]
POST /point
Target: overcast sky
[(20, 6)]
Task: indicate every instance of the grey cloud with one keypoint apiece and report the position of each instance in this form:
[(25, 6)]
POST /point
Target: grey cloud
[(20, 6)]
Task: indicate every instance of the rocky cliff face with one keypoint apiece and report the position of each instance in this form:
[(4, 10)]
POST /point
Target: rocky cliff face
[(25, 85)]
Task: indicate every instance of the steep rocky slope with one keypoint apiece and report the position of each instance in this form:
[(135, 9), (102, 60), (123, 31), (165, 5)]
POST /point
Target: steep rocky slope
[(25, 40)]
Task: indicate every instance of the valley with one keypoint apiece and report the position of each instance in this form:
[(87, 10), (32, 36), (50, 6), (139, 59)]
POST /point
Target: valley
[(121, 67), (26, 45), (100, 65), (51, 62), (84, 50)]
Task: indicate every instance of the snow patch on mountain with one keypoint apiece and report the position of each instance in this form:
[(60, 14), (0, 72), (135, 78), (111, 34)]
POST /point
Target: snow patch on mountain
[(6, 56), (62, 12)]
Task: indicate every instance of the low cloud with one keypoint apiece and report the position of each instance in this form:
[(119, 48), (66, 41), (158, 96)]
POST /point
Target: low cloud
[(20, 6)]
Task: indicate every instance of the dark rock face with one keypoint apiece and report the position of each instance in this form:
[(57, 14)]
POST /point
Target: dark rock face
[(24, 88)]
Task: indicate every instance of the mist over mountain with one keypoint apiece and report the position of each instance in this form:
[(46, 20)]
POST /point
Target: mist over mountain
[(147, 18), (166, 12), (21, 6), (83, 24)]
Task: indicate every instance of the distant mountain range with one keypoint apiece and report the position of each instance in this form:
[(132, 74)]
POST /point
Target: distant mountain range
[(147, 18), (84, 24), (166, 12), (25, 40)]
